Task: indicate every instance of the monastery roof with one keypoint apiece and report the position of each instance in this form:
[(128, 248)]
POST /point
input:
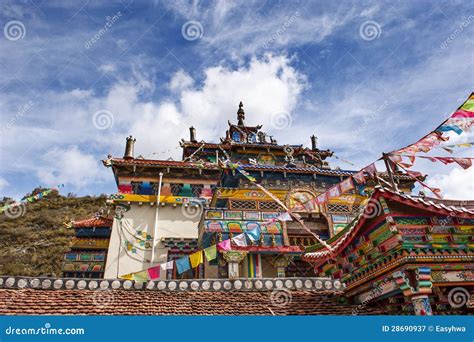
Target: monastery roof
[(206, 144), (311, 169), (164, 163), (51, 297), (444, 206), (251, 167), (245, 128), (228, 145), (93, 222), (342, 239), (308, 169)]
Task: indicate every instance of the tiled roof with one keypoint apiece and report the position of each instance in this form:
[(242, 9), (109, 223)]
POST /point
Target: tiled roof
[(265, 145), (205, 145), (135, 302), (228, 145), (262, 296), (93, 222), (164, 163), (278, 168), (309, 169), (341, 240), (438, 205)]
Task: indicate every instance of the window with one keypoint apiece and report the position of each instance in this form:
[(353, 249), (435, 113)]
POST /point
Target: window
[(268, 205), (249, 205), (196, 189), (176, 188)]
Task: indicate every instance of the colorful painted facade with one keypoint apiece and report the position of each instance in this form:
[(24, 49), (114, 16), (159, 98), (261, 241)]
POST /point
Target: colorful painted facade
[(202, 201), (407, 254), (88, 249)]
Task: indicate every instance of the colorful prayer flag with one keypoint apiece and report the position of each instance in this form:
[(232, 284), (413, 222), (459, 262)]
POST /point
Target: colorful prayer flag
[(141, 276), (334, 191), (414, 174), (210, 252), (405, 165), (445, 160), (196, 259), (183, 265), (468, 105), (322, 198), (240, 240), (360, 177), (411, 158), (448, 150), (347, 185), (396, 158), (154, 272), (224, 245), (167, 265), (452, 127), (309, 205), (371, 170), (246, 174), (127, 276), (284, 217), (254, 234), (463, 114), (465, 163)]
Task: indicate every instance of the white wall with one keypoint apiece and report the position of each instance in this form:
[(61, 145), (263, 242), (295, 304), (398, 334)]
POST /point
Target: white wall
[(175, 222)]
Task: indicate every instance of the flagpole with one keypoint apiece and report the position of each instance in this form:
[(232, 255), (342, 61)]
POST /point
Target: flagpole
[(155, 228), (389, 170)]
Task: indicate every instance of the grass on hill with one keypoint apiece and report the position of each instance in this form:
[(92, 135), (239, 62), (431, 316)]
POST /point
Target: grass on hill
[(33, 244)]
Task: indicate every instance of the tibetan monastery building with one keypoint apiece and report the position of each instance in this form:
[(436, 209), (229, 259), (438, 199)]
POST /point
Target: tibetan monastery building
[(202, 202), (373, 249)]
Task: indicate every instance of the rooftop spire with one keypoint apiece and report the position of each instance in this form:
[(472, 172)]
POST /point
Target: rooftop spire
[(240, 115)]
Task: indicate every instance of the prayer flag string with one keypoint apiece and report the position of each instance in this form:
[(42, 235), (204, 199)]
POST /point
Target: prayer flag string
[(30, 199)]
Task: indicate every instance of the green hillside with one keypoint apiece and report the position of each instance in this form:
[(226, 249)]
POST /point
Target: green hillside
[(33, 243)]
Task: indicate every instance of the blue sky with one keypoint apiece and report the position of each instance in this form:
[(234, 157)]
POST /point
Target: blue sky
[(76, 78)]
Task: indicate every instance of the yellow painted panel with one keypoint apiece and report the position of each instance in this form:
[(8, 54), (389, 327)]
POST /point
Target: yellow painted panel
[(249, 194), (150, 198)]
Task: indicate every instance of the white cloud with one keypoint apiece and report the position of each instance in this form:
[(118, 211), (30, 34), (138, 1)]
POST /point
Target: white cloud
[(3, 183), (457, 184), (386, 112), (370, 11), (246, 30), (266, 86), (70, 166), (180, 81), (36, 143), (423, 90), (108, 67)]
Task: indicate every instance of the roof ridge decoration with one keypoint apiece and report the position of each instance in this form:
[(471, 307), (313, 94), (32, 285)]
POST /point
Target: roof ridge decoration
[(241, 115)]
